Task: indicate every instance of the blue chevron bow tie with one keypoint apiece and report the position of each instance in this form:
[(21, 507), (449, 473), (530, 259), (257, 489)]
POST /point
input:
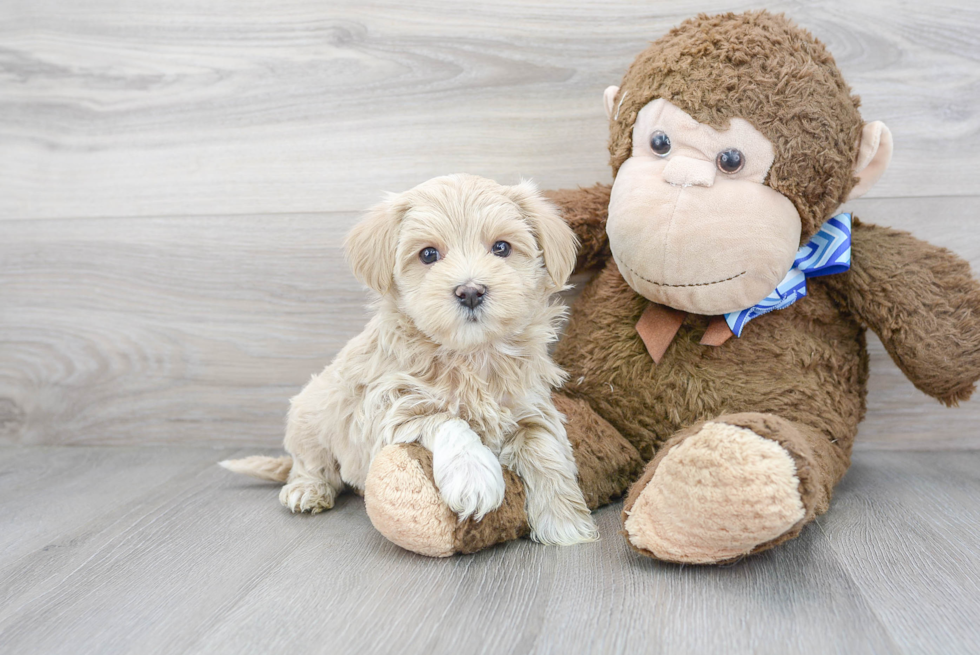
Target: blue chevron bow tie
[(828, 252)]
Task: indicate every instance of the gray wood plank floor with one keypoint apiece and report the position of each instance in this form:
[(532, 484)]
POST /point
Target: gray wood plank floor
[(157, 550)]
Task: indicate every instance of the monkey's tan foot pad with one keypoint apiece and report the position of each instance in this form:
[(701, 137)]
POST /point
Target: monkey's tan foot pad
[(715, 496), (404, 504)]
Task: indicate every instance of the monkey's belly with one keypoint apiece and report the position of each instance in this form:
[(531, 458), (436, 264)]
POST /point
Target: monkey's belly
[(806, 363)]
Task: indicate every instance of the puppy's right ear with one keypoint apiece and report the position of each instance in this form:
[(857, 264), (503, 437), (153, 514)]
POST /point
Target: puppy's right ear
[(371, 245), (558, 243)]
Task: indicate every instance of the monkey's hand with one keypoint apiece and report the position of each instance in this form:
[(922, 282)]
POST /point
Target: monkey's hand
[(585, 211), (924, 304)]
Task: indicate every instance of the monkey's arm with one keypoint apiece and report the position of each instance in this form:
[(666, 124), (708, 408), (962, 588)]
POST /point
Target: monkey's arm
[(585, 212), (924, 304)]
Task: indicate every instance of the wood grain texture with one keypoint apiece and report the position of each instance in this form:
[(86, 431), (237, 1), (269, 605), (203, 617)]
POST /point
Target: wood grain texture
[(207, 562), (906, 527), (170, 107), (50, 491), (189, 329), (197, 330)]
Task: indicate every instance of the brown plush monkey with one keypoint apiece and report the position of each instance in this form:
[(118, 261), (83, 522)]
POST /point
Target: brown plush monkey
[(733, 141)]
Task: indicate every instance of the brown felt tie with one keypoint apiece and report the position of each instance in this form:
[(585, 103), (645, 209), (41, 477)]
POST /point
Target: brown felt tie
[(658, 325), (717, 333)]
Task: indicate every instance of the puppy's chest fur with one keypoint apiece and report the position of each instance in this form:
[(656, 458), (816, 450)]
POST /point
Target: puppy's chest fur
[(390, 384), (492, 388), (486, 391)]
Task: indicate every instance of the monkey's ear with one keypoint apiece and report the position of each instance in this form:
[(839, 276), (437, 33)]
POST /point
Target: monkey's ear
[(371, 245), (558, 243), (609, 99), (873, 157)]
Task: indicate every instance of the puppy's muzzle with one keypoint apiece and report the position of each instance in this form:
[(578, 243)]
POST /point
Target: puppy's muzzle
[(470, 295)]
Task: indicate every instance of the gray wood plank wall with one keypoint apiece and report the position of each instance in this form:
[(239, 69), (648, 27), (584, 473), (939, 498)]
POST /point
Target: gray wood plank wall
[(176, 178)]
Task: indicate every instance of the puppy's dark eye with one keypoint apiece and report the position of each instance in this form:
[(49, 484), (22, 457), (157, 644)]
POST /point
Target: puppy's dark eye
[(660, 143), (429, 255), (730, 161), (501, 249)]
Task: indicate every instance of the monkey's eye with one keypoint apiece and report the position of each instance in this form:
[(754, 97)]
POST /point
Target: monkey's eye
[(730, 161), (660, 143), (429, 255), (501, 249)]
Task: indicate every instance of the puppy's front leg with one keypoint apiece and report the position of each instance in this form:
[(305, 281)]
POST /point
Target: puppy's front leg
[(468, 475), (541, 455)]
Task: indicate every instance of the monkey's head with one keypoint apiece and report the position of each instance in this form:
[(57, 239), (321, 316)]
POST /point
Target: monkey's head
[(732, 139)]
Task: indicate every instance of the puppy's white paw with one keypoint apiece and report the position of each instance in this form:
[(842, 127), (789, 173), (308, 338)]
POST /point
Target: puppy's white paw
[(311, 496), (472, 483), (468, 475), (563, 527)]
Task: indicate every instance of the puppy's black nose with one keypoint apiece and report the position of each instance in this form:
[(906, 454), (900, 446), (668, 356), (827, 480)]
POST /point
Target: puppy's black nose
[(470, 295)]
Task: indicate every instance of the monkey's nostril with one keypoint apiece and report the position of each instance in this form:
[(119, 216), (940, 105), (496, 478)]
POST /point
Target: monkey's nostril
[(470, 295)]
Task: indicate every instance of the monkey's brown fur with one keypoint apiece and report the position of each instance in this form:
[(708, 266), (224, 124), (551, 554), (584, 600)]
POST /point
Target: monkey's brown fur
[(796, 376)]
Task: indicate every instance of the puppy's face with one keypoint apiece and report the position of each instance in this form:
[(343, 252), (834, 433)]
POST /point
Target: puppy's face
[(467, 272), (468, 260)]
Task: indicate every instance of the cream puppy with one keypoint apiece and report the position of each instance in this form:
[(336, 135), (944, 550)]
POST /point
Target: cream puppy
[(455, 357)]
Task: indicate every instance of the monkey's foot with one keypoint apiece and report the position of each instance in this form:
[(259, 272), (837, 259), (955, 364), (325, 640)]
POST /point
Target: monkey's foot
[(714, 493), (404, 504)]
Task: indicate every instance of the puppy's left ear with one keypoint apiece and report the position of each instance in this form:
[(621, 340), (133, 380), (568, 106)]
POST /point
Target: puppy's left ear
[(556, 240), (372, 244)]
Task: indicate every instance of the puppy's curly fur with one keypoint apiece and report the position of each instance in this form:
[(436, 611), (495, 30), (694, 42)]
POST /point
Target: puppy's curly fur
[(470, 382)]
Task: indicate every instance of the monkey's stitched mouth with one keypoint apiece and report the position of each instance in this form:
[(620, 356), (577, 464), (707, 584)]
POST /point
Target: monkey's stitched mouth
[(694, 284)]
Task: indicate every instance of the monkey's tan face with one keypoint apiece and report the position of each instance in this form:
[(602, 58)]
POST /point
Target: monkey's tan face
[(692, 224)]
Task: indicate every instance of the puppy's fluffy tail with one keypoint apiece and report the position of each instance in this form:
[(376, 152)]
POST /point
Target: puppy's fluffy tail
[(274, 469)]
